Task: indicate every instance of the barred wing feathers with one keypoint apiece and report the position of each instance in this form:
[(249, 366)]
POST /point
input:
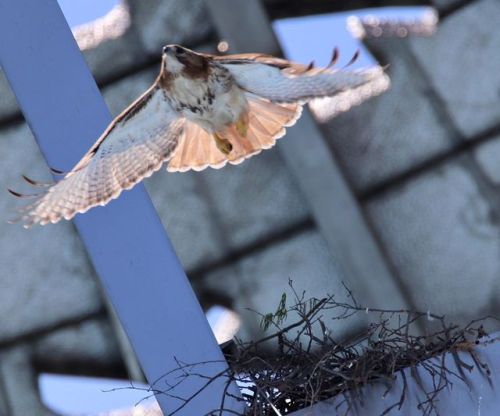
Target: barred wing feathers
[(283, 81), (134, 146)]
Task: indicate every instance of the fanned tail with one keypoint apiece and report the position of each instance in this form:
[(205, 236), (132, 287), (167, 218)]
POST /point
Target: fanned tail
[(266, 123), (196, 151)]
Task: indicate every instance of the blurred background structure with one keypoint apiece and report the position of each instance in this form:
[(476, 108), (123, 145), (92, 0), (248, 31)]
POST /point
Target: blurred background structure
[(397, 197)]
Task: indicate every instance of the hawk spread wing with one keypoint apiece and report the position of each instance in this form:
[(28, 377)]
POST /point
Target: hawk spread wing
[(134, 146), (169, 123), (284, 81)]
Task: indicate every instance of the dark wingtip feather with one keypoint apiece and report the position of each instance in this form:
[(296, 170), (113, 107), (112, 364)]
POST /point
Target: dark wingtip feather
[(16, 194), (57, 171), (335, 57), (22, 196), (35, 183), (354, 58)]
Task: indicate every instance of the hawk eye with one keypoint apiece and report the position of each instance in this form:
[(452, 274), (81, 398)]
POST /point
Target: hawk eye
[(179, 51)]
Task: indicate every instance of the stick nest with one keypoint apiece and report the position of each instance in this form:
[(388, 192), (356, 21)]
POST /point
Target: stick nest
[(302, 363)]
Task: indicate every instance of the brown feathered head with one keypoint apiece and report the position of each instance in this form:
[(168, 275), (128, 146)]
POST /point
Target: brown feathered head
[(177, 59)]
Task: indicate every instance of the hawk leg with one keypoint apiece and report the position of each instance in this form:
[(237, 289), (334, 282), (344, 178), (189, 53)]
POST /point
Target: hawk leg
[(222, 144), (242, 124)]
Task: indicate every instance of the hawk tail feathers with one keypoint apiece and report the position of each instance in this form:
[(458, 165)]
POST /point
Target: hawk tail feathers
[(196, 150), (266, 122)]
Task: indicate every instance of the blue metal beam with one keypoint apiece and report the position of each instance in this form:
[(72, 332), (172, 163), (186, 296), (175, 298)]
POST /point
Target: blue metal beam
[(125, 240)]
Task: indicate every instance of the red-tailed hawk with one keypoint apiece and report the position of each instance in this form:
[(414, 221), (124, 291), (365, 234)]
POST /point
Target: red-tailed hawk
[(202, 111)]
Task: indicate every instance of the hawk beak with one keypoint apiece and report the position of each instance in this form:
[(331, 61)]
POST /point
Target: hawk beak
[(167, 51)]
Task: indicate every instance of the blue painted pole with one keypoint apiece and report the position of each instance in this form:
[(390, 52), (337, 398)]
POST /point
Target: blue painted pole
[(125, 240)]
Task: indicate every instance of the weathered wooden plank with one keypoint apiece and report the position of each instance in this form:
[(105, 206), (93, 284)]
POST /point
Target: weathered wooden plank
[(125, 240), (245, 26)]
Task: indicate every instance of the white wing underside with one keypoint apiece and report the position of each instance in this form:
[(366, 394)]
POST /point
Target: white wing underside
[(127, 152), (287, 86)]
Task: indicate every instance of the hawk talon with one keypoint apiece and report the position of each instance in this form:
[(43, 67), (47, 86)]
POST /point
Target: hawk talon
[(222, 144), (242, 126)]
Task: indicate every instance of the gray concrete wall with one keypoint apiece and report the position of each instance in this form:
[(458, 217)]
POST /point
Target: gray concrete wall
[(421, 160)]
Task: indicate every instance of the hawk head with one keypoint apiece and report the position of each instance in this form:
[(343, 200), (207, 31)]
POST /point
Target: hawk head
[(178, 60)]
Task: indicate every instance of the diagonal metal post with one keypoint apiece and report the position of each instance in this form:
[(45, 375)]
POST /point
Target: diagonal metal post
[(125, 240)]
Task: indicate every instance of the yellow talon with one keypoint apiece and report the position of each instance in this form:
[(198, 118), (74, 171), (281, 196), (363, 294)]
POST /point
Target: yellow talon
[(242, 125), (222, 144)]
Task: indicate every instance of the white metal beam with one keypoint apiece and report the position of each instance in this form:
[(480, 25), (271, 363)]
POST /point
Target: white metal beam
[(125, 240)]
